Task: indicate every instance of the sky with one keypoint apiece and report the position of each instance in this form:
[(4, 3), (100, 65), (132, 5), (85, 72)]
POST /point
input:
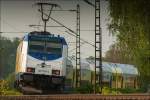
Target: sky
[(17, 15)]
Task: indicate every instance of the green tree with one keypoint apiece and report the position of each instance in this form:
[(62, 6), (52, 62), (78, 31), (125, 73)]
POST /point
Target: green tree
[(130, 23), (1, 49), (117, 54), (7, 55)]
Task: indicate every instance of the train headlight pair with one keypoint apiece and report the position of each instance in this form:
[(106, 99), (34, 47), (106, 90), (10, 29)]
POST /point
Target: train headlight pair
[(55, 72), (31, 70)]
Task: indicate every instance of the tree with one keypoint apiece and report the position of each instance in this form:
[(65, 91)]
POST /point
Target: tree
[(7, 55), (0, 58), (117, 54), (130, 23)]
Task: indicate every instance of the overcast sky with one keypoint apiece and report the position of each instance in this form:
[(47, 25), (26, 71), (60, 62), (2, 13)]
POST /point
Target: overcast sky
[(17, 15)]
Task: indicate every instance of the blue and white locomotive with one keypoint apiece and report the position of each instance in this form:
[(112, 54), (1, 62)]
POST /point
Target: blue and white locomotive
[(41, 61)]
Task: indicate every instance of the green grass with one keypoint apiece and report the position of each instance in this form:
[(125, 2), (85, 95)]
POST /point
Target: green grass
[(115, 91), (10, 92)]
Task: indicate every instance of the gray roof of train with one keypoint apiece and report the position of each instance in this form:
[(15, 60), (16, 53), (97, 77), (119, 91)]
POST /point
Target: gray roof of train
[(125, 69)]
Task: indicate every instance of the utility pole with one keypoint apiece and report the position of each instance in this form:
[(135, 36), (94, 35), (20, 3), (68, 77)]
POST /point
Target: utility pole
[(78, 62), (0, 45), (0, 16), (98, 49), (98, 46)]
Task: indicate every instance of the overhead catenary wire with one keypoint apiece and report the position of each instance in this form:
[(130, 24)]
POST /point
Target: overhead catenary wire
[(88, 2), (13, 32), (42, 25), (68, 29), (72, 32), (12, 26), (61, 25), (81, 39)]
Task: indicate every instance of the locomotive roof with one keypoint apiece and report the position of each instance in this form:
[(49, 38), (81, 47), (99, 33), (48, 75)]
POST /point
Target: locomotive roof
[(39, 33), (36, 35), (43, 34)]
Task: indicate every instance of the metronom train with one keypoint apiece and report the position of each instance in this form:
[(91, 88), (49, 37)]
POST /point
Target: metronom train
[(43, 65), (41, 62)]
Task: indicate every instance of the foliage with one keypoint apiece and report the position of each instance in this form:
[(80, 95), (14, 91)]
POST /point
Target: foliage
[(116, 55), (12, 92), (129, 90), (114, 91), (130, 23), (86, 88), (3, 87), (7, 56), (10, 80), (7, 65), (107, 91), (6, 86), (6, 90)]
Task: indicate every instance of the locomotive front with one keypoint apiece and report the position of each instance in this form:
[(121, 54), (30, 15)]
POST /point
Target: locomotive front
[(45, 61)]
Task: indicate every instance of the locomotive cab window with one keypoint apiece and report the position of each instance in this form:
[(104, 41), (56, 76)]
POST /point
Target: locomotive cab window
[(36, 46), (54, 48)]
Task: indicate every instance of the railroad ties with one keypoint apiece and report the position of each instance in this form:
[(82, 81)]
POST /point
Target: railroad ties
[(78, 97)]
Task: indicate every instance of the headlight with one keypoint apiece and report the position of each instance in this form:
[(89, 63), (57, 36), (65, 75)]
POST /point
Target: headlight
[(29, 69), (55, 72)]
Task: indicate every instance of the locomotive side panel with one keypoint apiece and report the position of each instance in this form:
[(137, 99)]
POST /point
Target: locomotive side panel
[(21, 57), (18, 59)]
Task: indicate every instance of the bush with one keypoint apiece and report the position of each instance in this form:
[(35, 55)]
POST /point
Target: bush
[(6, 86), (10, 80), (107, 90), (87, 88), (115, 91), (6, 90), (127, 90), (12, 92), (3, 87)]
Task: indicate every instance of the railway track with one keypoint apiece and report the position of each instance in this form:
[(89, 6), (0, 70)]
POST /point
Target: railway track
[(78, 97)]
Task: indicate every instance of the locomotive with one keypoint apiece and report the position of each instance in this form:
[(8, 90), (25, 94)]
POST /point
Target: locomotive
[(41, 61)]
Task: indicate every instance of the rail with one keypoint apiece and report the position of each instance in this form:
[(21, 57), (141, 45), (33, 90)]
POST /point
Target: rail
[(78, 97)]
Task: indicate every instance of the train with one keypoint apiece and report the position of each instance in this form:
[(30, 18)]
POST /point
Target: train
[(41, 62), (114, 75)]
